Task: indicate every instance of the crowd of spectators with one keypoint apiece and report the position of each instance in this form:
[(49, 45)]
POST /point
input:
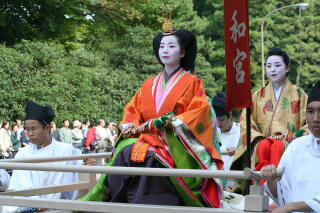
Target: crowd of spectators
[(86, 136)]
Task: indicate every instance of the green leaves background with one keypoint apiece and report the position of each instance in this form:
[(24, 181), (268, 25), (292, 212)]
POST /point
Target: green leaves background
[(86, 58)]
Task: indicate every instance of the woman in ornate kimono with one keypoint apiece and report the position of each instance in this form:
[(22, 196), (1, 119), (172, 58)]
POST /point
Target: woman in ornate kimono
[(278, 115), (170, 124)]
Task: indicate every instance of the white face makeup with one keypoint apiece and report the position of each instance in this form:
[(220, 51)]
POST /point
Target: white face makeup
[(169, 51), (276, 69)]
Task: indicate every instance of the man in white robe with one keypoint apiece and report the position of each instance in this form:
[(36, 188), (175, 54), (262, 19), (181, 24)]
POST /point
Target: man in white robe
[(42, 145), (298, 190), (23, 179), (228, 131), (4, 180)]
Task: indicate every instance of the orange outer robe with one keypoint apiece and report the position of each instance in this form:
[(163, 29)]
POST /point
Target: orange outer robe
[(187, 100)]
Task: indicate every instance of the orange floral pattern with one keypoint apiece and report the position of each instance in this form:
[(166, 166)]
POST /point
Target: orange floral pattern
[(295, 107), (244, 139), (268, 106), (263, 92)]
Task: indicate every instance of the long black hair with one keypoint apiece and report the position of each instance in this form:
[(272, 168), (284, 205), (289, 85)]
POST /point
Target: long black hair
[(187, 42)]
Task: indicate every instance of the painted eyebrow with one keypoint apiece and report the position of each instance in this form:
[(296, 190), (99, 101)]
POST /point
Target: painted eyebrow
[(169, 42), (274, 63)]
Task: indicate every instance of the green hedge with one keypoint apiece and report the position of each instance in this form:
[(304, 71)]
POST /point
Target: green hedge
[(78, 85)]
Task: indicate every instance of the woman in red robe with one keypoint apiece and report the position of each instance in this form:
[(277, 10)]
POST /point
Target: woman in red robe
[(167, 124)]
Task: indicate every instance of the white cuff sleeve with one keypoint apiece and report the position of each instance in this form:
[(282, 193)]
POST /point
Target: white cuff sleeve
[(4, 180), (268, 192), (314, 204)]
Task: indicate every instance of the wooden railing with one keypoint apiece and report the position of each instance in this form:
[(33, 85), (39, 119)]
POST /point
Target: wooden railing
[(255, 202)]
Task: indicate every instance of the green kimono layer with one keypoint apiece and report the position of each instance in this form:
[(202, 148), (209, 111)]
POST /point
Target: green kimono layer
[(183, 160)]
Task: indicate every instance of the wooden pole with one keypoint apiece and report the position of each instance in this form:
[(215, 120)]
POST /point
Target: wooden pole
[(248, 124)]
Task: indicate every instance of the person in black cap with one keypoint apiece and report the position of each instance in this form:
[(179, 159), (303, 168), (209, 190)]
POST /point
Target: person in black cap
[(169, 111), (224, 116), (298, 189), (228, 130), (37, 126)]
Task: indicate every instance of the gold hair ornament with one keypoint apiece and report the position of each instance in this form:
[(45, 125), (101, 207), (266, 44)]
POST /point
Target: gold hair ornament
[(167, 27)]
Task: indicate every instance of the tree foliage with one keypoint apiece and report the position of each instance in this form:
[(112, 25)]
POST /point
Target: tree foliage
[(42, 20), (86, 58)]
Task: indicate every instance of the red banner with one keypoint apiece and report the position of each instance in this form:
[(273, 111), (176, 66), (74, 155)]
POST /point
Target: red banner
[(236, 38)]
